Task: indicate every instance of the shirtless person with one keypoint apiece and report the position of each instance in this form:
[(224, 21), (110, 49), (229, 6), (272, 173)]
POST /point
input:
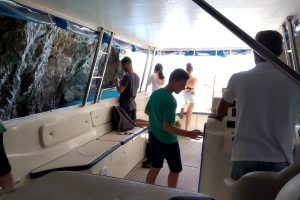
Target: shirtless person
[(189, 97)]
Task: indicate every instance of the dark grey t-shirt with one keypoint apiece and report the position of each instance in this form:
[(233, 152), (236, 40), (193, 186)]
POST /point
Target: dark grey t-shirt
[(131, 83)]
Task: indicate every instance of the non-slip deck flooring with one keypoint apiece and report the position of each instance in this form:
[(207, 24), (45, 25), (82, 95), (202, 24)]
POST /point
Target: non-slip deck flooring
[(188, 178)]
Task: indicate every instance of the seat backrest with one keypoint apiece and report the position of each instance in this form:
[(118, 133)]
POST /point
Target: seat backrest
[(101, 115), (61, 130), (259, 185), (291, 190)]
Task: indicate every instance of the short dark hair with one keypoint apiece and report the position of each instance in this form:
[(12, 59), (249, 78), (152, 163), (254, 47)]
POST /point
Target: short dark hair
[(189, 67), (270, 39), (179, 74), (126, 60)]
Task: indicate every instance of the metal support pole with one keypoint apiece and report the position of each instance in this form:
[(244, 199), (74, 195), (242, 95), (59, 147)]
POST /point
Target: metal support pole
[(150, 70), (88, 87), (260, 49), (292, 45), (286, 47), (145, 68), (104, 69)]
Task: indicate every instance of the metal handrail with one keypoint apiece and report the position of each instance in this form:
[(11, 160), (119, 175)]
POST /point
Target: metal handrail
[(260, 49)]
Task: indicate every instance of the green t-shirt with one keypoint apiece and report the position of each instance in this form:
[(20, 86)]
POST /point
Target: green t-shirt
[(162, 107), (2, 128)]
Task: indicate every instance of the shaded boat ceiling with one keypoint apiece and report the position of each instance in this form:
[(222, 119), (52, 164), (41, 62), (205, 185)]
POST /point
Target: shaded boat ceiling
[(172, 24)]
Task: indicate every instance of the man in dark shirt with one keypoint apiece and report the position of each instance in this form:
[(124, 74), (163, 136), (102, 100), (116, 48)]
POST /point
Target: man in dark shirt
[(128, 87)]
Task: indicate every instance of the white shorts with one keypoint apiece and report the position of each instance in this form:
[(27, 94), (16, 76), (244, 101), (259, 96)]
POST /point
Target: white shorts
[(188, 96)]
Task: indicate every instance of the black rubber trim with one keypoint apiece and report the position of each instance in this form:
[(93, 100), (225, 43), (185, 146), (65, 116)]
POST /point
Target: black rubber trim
[(133, 136), (202, 155), (34, 175), (191, 198)]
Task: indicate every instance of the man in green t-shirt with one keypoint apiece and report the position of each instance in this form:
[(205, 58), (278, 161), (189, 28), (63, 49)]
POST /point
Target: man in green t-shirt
[(6, 178), (161, 109)]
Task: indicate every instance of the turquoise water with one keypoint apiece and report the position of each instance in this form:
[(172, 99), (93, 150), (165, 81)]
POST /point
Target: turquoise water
[(106, 94)]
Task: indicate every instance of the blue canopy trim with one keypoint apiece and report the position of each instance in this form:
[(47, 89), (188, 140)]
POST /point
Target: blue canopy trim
[(220, 53), (125, 45), (19, 11)]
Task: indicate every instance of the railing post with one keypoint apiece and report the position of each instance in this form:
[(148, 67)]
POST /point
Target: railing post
[(145, 68), (151, 65)]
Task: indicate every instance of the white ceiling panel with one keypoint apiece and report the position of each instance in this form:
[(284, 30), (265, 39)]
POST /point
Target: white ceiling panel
[(172, 23)]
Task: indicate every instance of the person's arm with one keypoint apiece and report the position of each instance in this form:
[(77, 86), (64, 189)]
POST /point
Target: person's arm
[(194, 134), (2, 128), (228, 98), (221, 110), (160, 81), (146, 111), (120, 87)]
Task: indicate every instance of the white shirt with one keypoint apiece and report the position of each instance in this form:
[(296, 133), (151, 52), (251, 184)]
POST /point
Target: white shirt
[(153, 79), (268, 104)]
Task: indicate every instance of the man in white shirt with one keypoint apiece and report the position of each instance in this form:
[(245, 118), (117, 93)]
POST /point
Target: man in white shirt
[(268, 104)]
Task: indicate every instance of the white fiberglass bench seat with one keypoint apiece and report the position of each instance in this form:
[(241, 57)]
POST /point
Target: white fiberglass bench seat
[(78, 186), (79, 159), (90, 154), (130, 153), (122, 137)]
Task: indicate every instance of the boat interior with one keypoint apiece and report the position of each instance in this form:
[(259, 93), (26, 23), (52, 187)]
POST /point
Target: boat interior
[(72, 152)]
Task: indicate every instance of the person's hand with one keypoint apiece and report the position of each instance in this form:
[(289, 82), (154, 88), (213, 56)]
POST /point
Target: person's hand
[(178, 124), (116, 81), (196, 134)]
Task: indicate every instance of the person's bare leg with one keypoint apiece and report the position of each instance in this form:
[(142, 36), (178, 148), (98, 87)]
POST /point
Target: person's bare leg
[(7, 182), (152, 174), (173, 179), (189, 112)]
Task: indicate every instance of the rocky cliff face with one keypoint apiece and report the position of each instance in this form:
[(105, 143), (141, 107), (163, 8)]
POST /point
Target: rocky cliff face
[(41, 65)]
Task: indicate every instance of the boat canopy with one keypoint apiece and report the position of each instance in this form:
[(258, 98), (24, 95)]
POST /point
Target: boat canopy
[(166, 24)]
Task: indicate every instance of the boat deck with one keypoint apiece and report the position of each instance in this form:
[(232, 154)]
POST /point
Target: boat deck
[(189, 177)]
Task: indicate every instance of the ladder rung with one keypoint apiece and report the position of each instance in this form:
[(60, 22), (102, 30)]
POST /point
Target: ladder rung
[(95, 77), (102, 52)]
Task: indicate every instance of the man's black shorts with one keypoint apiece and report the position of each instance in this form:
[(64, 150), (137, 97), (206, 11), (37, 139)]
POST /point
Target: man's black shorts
[(4, 164), (161, 151)]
